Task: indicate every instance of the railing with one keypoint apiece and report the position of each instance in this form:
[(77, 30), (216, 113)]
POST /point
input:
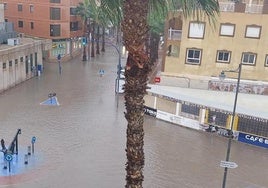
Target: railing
[(174, 34), (255, 9), (227, 6), (250, 8)]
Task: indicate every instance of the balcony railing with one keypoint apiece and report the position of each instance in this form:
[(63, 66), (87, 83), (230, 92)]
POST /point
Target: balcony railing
[(227, 6), (250, 8), (255, 9), (174, 34)]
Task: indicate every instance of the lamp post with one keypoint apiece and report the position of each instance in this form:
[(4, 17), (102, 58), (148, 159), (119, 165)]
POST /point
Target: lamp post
[(230, 133), (84, 43), (119, 66)]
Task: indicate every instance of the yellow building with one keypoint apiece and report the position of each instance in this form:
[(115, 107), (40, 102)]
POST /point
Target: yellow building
[(200, 50)]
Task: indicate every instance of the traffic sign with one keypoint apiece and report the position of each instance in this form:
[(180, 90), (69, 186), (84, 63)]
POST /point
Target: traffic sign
[(33, 139), (8, 157), (228, 164)]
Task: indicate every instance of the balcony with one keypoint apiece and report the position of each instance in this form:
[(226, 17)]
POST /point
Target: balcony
[(250, 8), (174, 34), (227, 6), (254, 9)]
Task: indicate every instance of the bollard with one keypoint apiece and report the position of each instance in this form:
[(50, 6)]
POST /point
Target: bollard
[(5, 165), (26, 159), (33, 141), (29, 150)]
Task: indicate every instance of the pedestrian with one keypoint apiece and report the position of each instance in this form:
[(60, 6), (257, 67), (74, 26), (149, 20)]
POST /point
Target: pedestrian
[(59, 58), (4, 149)]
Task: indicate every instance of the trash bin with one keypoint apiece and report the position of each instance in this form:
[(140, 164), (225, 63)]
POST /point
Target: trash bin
[(39, 68)]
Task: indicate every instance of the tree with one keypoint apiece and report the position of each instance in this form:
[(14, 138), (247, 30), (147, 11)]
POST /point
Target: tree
[(107, 12), (135, 28), (83, 10)]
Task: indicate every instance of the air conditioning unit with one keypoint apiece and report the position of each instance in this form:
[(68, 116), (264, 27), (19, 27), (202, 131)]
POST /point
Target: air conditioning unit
[(13, 41)]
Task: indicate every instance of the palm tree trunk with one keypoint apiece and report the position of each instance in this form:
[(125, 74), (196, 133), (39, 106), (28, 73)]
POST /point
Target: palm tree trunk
[(103, 40), (84, 45), (135, 29), (93, 40), (154, 46), (98, 40)]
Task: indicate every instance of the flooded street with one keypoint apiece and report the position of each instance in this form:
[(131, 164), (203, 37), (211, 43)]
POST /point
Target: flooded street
[(81, 142)]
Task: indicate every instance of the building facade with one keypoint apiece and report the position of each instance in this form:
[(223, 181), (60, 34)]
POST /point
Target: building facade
[(201, 49), (21, 58), (53, 19), (21, 61)]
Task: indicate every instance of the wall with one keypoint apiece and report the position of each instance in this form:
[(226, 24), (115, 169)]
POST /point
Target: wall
[(213, 42), (17, 58), (247, 129), (41, 17)]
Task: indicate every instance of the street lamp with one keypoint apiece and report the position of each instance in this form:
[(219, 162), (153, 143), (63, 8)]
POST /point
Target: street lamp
[(118, 80), (230, 133)]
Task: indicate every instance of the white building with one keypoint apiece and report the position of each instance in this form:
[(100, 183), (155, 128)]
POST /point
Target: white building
[(20, 57)]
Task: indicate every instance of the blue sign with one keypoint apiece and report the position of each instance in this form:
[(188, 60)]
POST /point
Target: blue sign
[(8, 157), (84, 41), (33, 139), (253, 140)]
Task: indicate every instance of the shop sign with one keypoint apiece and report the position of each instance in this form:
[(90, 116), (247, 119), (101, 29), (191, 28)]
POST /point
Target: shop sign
[(150, 111), (253, 140)]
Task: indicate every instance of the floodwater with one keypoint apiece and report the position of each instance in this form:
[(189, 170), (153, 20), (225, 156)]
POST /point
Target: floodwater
[(81, 142)]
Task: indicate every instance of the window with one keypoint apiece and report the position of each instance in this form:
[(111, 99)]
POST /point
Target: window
[(55, 13), (253, 31), (4, 65), (253, 125), (54, 1), (190, 109), (20, 23), (73, 26), (173, 50), (193, 56), (223, 56), (32, 25), (196, 30), (16, 62), (249, 58), (5, 6), (21, 59), (31, 8), (10, 63), (227, 30), (266, 61), (19, 7), (217, 117), (54, 30), (72, 11)]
